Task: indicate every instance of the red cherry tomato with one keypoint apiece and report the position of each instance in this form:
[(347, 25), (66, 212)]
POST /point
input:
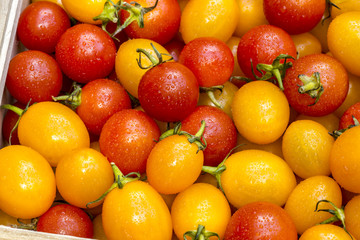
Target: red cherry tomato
[(33, 75), (9, 121), (168, 92), (210, 59), (85, 52), (175, 47), (66, 219), (294, 16), (41, 25), (347, 118)]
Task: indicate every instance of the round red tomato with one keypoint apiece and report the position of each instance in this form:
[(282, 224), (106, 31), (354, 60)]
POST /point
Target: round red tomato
[(294, 16), (168, 92), (41, 25), (316, 85), (347, 119), (85, 52)]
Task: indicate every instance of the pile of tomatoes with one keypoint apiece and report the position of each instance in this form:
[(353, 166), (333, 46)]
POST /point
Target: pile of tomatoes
[(184, 119)]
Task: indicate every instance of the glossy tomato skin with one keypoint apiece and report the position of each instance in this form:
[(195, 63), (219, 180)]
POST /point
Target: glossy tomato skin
[(294, 16), (41, 25), (210, 59), (66, 219), (220, 132), (168, 92), (347, 118), (175, 46), (260, 220), (33, 75), (100, 99), (262, 44), (84, 10), (85, 52), (160, 24), (333, 77), (127, 138), (9, 121)]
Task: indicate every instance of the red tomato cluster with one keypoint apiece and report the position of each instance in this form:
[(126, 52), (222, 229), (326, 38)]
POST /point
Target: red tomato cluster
[(176, 119)]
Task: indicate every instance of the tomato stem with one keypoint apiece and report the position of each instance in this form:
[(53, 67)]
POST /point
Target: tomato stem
[(335, 134), (312, 86), (200, 234), (210, 92), (154, 60), (73, 99)]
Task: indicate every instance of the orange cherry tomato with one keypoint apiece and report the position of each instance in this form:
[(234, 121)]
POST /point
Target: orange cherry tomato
[(352, 215), (84, 10), (325, 232), (306, 44)]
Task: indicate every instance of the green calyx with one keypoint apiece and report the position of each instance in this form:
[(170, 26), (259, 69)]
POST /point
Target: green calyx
[(330, 5), (155, 60), (337, 133), (111, 10), (197, 138), (210, 92), (120, 181), (276, 69), (338, 214), (312, 86), (73, 99), (200, 234)]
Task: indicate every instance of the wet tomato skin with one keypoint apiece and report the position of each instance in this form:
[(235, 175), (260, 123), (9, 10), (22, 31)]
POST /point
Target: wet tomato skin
[(9, 121), (347, 118)]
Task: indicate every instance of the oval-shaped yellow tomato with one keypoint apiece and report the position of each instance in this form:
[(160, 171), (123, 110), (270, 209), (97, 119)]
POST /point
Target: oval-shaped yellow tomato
[(251, 14), (352, 216), (174, 164), (260, 112), (330, 121), (306, 146), (209, 18), (52, 129), (302, 201), (352, 97), (27, 182), (136, 212), (82, 176), (343, 40), (344, 160), (264, 177), (84, 10), (325, 232), (306, 44), (126, 67), (203, 204)]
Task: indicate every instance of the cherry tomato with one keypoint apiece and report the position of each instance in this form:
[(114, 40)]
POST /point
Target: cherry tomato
[(325, 231), (127, 139), (66, 219), (168, 92), (9, 122), (33, 75), (233, 44), (136, 212), (316, 85), (352, 210), (347, 118), (99, 232), (161, 24), (320, 31), (343, 160), (294, 16), (330, 121), (27, 187), (84, 10), (85, 52), (220, 132), (260, 220), (188, 210), (302, 201), (207, 18), (41, 24), (306, 44), (174, 47), (127, 69), (306, 146), (343, 38), (82, 176), (57, 128), (352, 97), (260, 112), (344, 6)]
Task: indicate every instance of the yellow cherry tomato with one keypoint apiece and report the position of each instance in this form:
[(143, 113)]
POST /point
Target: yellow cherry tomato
[(325, 232), (306, 44), (264, 177), (84, 10), (320, 32), (174, 164), (352, 216), (58, 2), (302, 201), (352, 97), (233, 44), (52, 129), (27, 182), (330, 121), (136, 212), (343, 40), (82, 176), (203, 204), (209, 18), (344, 160), (260, 112), (306, 146), (344, 6), (126, 67), (251, 14), (224, 97)]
